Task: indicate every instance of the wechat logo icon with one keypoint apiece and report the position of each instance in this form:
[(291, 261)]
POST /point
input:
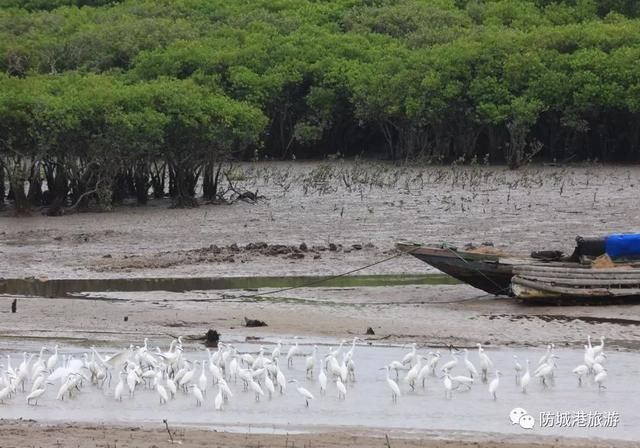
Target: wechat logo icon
[(519, 416)]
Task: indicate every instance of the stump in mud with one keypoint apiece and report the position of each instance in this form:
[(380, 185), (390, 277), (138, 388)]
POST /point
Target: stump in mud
[(212, 338), (254, 323)]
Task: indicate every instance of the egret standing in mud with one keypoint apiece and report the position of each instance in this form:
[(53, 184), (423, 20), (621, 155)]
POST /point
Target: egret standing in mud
[(485, 363), (473, 372), (303, 392), (600, 379), (310, 361), (322, 378), (493, 386), (395, 390), (518, 368), (293, 351), (524, 381)]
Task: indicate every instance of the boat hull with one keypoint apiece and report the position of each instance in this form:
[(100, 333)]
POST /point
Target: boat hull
[(478, 270)]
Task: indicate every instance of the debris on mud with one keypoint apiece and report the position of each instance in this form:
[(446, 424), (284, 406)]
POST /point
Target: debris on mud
[(232, 253), (254, 323), (212, 338)]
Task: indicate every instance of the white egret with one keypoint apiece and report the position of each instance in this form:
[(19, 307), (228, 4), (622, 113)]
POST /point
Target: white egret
[(292, 352), (310, 362), (342, 391), (493, 386), (173, 388), (187, 376), (218, 400), (485, 363), (197, 393), (545, 371), (303, 392), (462, 380), (544, 358), (524, 381), (600, 379), (37, 383), (117, 394), (397, 365), (215, 372), (4, 393), (598, 348), (255, 387), (410, 357), (581, 370), (412, 374), (162, 392), (275, 354), (395, 390), (53, 359), (473, 372), (322, 378), (226, 391), (268, 384), (34, 395), (448, 385), (202, 380), (281, 380), (450, 364), (518, 368)]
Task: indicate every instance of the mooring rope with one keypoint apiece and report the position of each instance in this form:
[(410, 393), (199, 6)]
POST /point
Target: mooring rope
[(325, 279)]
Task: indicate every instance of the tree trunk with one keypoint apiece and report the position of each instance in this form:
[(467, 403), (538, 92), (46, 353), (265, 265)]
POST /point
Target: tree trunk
[(21, 204), (2, 187), (158, 176), (515, 150), (141, 182), (34, 196), (183, 187)]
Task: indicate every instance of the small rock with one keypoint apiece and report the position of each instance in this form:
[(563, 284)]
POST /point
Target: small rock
[(251, 246), (316, 257), (303, 247), (126, 318), (333, 247), (106, 256), (357, 246), (295, 256), (234, 247), (370, 331)]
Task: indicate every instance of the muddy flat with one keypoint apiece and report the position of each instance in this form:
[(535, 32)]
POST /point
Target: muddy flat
[(310, 230)]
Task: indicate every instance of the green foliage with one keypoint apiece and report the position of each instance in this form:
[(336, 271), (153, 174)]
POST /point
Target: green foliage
[(186, 82)]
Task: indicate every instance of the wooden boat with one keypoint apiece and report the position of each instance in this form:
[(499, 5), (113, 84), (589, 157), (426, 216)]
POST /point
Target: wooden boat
[(543, 283), (532, 279), (487, 269)]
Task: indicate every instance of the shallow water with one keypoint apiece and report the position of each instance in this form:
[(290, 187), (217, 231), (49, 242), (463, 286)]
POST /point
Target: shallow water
[(65, 287), (368, 403)]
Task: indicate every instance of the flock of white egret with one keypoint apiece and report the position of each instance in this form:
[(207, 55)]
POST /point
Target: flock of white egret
[(418, 368), (225, 372)]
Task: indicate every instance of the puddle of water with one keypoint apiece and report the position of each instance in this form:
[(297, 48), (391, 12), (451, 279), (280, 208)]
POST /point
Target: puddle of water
[(63, 287), (368, 403)]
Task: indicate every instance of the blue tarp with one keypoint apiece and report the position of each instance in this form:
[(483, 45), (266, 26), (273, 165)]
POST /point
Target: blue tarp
[(623, 245)]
